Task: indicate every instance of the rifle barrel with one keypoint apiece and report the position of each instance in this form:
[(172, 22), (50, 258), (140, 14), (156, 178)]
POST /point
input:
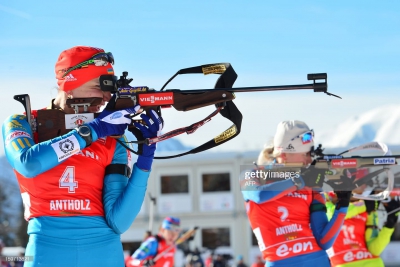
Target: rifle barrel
[(250, 89)]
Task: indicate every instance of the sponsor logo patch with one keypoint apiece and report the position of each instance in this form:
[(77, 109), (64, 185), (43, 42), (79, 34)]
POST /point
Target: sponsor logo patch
[(74, 120), (226, 134), (131, 90), (333, 157), (70, 78), (156, 99), (66, 148), (343, 163), (16, 134), (378, 161), (217, 69)]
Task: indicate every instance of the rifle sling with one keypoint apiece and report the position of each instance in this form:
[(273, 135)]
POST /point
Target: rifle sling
[(229, 110)]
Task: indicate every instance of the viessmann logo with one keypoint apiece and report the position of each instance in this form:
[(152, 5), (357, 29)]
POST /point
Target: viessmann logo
[(343, 163), (153, 99)]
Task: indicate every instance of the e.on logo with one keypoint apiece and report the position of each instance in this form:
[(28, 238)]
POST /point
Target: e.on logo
[(360, 255), (284, 250)]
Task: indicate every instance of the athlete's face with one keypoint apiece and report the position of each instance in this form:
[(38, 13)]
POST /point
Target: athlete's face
[(91, 89), (304, 158), (170, 236)]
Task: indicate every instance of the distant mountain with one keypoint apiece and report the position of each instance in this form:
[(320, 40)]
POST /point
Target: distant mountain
[(380, 124)]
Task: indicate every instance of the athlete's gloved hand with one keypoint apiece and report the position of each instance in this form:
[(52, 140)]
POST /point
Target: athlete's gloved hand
[(346, 182), (149, 263), (392, 216), (111, 121), (152, 129), (343, 188), (312, 176), (343, 199), (371, 205)]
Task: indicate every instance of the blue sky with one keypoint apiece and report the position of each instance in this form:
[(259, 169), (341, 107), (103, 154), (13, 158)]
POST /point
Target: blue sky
[(267, 42)]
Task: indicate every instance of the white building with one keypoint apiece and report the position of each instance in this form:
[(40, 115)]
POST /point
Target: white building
[(202, 190)]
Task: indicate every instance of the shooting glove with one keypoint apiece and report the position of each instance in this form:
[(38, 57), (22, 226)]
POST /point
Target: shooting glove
[(346, 182), (343, 199), (152, 129), (112, 122), (312, 176), (392, 216), (149, 263), (343, 188), (371, 205)]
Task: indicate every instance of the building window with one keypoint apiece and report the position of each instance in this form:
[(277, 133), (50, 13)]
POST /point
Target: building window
[(215, 237), (216, 182), (172, 184)]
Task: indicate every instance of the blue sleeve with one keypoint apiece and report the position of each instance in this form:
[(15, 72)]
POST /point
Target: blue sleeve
[(147, 249), (30, 159), (325, 231), (122, 197), (268, 192)]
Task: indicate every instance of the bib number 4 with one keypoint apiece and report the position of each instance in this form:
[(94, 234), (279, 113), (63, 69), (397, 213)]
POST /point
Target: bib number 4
[(67, 179)]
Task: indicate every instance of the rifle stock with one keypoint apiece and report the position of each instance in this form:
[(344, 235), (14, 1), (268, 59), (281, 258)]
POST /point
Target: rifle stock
[(180, 240), (182, 101)]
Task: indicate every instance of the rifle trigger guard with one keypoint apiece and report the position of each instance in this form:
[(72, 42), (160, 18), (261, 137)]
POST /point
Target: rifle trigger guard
[(221, 104)]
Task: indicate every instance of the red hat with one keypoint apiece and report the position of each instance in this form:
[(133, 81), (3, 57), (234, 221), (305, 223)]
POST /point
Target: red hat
[(72, 57)]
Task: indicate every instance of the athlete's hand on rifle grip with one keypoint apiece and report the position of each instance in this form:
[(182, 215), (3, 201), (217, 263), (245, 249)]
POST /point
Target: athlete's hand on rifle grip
[(393, 213), (153, 124), (111, 122), (343, 199), (371, 205), (312, 176), (153, 127), (346, 182), (149, 263)]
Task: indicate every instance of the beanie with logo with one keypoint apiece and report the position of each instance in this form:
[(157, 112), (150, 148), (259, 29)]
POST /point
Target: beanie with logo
[(293, 137), (73, 56)]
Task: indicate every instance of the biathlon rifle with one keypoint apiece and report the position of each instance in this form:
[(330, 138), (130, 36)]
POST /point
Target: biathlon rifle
[(52, 123), (380, 163), (337, 163), (186, 236), (189, 235)]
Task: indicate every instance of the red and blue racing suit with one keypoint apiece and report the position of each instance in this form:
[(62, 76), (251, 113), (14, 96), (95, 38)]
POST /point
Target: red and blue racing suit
[(76, 211), (291, 226)]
